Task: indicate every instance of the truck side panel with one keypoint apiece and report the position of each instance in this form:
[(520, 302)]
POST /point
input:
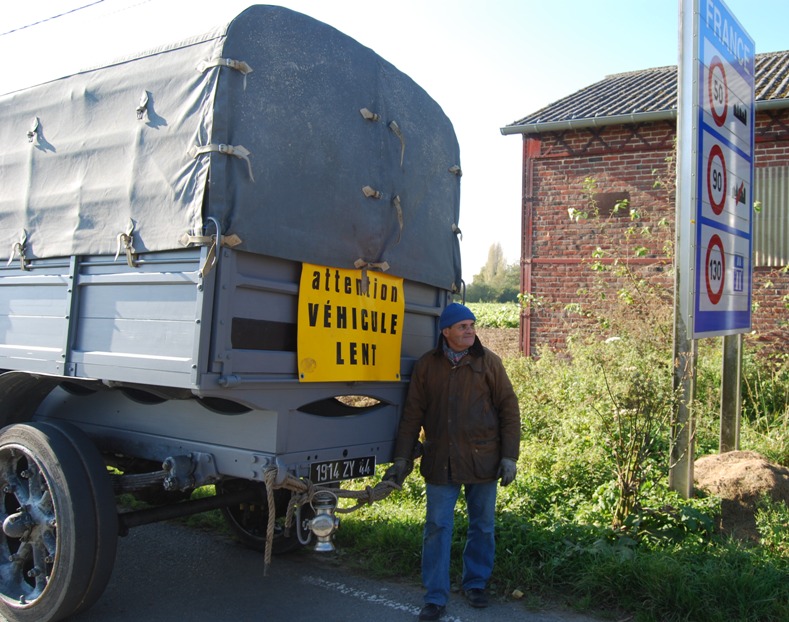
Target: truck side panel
[(33, 318), (94, 317)]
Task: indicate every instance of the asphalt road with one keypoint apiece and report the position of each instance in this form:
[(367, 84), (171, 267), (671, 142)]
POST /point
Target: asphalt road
[(166, 572)]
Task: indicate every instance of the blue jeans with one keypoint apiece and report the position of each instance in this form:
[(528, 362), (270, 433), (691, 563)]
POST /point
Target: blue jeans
[(480, 548)]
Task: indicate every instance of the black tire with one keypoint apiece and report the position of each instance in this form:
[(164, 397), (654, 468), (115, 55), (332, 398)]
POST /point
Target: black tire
[(249, 521), (22, 394), (105, 508), (48, 555)]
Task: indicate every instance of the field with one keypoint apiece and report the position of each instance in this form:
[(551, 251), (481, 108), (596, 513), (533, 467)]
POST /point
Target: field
[(503, 341), (498, 327)]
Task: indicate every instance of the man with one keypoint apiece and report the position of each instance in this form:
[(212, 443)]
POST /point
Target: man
[(461, 397)]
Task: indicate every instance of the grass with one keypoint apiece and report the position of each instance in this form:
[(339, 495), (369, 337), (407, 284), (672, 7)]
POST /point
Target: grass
[(587, 567)]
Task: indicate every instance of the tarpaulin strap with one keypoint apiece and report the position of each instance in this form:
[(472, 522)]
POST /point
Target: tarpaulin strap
[(399, 210), (142, 107), (456, 170), (19, 247), (370, 116), (369, 265), (204, 240), (239, 65), (238, 151), (398, 132), (372, 193), (374, 116), (383, 266), (456, 230), (126, 241), (32, 133)]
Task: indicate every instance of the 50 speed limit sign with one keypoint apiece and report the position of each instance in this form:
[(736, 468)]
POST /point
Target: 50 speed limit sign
[(718, 92)]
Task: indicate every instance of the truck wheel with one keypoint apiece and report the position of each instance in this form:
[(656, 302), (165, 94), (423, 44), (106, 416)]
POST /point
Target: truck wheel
[(106, 511), (48, 542), (22, 393), (248, 521)]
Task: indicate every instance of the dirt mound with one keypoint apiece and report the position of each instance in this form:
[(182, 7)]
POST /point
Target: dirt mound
[(740, 478)]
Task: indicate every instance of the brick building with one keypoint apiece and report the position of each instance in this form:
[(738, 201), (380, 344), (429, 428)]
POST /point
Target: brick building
[(615, 141)]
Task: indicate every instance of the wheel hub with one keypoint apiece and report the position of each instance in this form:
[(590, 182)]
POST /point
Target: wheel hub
[(18, 525)]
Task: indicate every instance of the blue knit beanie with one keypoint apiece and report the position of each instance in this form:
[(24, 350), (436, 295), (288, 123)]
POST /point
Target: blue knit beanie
[(453, 314)]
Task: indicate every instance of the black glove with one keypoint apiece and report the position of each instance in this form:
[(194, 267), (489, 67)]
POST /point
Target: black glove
[(397, 472), (507, 470)]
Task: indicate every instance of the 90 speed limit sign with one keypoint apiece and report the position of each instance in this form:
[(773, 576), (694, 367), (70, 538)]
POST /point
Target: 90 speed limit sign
[(716, 179)]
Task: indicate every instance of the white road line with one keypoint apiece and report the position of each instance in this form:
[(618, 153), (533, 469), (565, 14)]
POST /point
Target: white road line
[(341, 588)]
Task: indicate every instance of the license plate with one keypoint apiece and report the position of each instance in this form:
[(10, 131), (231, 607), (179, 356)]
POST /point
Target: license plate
[(337, 470)]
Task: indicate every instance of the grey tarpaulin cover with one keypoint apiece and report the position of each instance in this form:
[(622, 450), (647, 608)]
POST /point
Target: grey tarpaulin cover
[(143, 141)]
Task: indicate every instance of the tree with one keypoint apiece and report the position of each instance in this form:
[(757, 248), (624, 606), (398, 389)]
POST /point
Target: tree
[(497, 281), (495, 266)]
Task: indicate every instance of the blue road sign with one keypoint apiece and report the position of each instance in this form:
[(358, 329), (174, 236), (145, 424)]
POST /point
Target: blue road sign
[(724, 175)]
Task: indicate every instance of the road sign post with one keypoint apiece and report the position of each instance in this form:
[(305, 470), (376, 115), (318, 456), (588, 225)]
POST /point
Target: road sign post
[(713, 272)]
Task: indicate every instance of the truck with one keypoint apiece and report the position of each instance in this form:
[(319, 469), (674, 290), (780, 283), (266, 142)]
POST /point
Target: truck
[(219, 261)]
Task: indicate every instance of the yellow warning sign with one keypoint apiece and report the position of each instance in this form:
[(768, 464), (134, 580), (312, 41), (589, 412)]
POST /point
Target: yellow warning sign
[(349, 325)]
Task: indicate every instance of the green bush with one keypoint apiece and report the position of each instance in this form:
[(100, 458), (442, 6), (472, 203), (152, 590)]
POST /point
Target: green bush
[(772, 522)]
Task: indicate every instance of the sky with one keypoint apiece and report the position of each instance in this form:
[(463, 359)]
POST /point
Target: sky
[(487, 63)]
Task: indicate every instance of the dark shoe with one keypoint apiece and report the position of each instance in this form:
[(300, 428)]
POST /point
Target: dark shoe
[(431, 611), (477, 598)]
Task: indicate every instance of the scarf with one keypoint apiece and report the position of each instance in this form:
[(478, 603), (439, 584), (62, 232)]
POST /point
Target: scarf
[(454, 357)]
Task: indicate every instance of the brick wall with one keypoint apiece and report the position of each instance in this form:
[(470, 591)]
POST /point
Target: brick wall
[(623, 160)]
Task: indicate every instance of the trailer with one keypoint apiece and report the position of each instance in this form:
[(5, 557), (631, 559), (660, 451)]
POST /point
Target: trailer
[(220, 261)]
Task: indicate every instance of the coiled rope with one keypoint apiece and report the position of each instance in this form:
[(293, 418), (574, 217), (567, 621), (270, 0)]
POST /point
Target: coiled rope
[(304, 491)]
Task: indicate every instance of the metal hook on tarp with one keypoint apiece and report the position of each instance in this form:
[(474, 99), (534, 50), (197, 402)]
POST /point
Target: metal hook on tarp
[(126, 241), (19, 247), (211, 257), (192, 239)]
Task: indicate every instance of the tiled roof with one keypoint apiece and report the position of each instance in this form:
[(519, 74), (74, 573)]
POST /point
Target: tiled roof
[(648, 93)]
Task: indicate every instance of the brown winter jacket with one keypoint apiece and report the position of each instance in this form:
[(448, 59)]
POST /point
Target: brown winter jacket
[(469, 413)]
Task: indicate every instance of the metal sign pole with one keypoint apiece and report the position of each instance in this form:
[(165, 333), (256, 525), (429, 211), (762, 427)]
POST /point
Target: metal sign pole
[(680, 476), (731, 398)]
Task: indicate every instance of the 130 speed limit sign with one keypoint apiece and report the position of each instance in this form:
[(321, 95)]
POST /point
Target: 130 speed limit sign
[(715, 269)]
